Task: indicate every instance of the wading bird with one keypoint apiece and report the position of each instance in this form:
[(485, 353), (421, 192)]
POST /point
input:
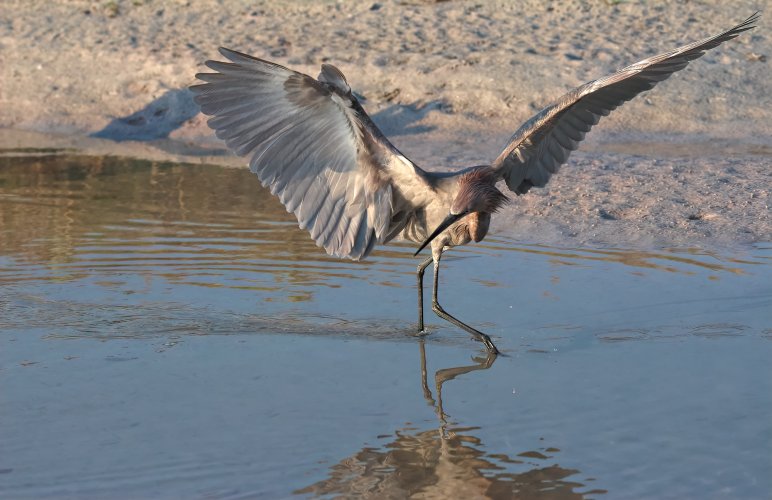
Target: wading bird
[(311, 143)]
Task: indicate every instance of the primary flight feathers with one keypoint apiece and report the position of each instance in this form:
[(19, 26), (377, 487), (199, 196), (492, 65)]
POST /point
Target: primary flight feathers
[(545, 141)]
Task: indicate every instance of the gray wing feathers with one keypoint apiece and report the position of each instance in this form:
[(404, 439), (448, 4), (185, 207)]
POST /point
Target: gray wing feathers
[(306, 144), (543, 143)]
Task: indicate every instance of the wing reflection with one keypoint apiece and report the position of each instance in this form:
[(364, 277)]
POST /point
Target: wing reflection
[(449, 462)]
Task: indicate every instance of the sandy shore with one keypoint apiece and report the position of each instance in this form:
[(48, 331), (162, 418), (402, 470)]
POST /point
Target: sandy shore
[(686, 164)]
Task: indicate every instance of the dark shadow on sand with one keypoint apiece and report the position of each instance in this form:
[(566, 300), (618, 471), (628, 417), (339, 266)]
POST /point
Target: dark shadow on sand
[(402, 119), (155, 121), (163, 115)]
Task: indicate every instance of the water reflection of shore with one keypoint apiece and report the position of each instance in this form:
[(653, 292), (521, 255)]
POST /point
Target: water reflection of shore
[(68, 217), (71, 217), (448, 462)]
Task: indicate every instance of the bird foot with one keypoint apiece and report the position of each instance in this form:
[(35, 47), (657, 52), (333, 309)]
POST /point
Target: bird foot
[(476, 334), (422, 332)]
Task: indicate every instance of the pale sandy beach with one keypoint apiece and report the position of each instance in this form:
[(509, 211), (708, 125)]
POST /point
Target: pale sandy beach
[(686, 163)]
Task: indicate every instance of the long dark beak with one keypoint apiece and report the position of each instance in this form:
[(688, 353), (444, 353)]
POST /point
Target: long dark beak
[(450, 219)]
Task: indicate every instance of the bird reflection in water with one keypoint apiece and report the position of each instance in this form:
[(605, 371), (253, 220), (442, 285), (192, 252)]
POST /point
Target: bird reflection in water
[(449, 462)]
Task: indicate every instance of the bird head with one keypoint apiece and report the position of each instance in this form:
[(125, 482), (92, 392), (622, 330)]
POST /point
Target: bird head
[(477, 192)]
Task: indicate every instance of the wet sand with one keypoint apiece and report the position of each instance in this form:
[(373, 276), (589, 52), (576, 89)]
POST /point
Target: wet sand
[(615, 194)]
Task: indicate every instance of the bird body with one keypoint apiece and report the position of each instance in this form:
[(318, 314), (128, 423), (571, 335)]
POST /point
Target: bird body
[(432, 207), (313, 145)]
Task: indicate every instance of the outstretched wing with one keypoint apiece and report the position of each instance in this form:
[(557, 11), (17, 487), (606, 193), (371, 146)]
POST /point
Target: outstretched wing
[(545, 141), (311, 143)]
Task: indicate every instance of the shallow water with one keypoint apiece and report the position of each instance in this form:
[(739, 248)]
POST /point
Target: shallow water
[(166, 331)]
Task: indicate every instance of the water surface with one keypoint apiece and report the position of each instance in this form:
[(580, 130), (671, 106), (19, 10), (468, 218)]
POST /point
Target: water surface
[(167, 331)]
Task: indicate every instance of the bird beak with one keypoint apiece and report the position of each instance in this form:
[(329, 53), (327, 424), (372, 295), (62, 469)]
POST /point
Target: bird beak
[(450, 219)]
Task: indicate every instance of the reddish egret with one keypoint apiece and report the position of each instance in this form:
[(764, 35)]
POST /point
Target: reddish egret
[(311, 143)]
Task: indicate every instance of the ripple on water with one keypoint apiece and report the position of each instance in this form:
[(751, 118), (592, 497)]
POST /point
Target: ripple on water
[(596, 383), (110, 247)]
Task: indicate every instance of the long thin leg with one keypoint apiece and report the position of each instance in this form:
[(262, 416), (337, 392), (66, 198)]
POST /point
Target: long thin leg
[(437, 308), (420, 273)]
